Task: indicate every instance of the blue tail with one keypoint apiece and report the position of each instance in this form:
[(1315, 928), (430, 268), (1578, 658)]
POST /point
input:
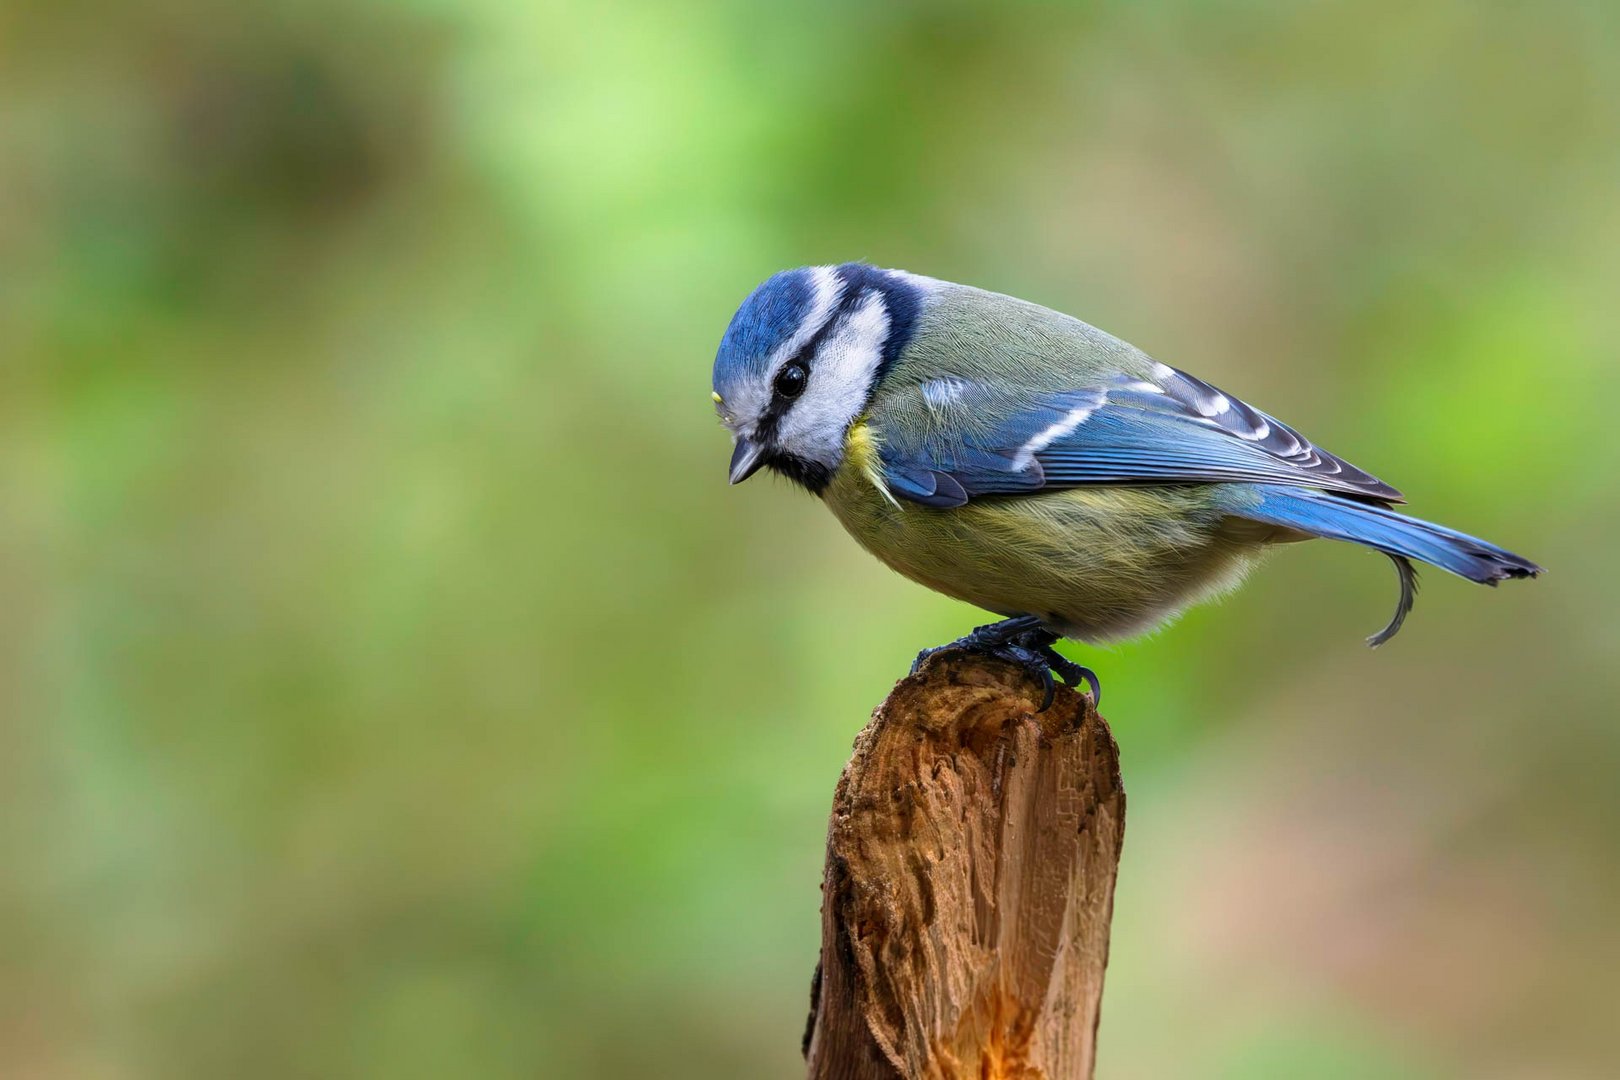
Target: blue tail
[(1402, 538)]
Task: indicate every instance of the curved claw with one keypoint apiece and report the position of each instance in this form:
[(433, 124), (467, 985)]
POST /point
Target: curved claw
[(1073, 674), (1033, 662)]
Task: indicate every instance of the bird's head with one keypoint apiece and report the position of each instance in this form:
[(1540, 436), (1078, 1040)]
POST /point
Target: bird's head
[(800, 360)]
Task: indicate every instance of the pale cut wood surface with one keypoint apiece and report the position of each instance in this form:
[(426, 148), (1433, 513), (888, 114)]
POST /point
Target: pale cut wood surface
[(969, 884)]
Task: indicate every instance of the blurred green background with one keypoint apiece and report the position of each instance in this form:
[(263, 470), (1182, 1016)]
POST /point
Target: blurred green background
[(392, 686)]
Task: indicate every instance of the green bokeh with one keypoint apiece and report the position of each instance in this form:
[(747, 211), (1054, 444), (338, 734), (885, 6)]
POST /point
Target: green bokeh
[(392, 686)]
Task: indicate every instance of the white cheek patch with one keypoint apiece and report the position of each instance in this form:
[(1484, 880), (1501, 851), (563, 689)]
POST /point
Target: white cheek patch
[(841, 376)]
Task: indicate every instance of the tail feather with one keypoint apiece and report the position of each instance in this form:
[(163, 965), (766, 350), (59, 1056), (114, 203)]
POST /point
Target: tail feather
[(1398, 536), (1409, 586)]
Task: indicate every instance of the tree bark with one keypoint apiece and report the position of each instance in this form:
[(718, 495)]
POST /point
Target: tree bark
[(969, 884)]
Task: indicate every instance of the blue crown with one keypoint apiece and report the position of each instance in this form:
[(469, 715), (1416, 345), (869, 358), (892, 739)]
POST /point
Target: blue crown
[(776, 310), (771, 315)]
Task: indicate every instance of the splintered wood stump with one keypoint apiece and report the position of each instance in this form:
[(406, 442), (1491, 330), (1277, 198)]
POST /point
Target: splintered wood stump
[(969, 884)]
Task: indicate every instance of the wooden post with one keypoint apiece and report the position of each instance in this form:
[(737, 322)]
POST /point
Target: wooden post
[(969, 884)]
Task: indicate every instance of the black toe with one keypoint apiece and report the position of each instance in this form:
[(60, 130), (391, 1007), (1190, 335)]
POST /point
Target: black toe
[(1025, 642), (1073, 674)]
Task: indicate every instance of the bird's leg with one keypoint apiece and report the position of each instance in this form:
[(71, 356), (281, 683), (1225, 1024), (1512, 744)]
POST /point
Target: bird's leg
[(1025, 642)]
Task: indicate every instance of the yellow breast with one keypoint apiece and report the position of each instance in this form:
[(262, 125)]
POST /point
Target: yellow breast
[(1096, 563)]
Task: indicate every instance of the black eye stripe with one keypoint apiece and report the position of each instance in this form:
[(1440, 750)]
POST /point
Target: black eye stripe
[(808, 350), (901, 303), (780, 403)]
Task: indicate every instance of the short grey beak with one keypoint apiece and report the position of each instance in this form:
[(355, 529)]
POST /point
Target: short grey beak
[(746, 459)]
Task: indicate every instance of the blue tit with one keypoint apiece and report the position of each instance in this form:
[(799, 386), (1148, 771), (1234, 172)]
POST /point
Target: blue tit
[(1032, 465)]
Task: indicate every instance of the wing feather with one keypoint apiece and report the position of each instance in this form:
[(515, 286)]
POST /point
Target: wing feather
[(1168, 428)]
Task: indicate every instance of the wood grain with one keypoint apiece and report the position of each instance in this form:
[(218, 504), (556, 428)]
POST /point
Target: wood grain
[(969, 884)]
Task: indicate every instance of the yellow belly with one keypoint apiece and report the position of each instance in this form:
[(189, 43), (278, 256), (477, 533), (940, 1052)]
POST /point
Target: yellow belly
[(1097, 564)]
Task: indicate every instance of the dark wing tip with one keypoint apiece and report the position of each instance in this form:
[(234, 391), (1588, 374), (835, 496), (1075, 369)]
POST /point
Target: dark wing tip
[(1208, 404), (1370, 487)]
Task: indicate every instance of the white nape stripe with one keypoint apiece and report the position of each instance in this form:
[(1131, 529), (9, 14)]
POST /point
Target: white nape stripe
[(1073, 419), (926, 285), (828, 287)]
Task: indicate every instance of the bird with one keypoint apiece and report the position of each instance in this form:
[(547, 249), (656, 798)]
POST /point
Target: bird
[(1032, 465)]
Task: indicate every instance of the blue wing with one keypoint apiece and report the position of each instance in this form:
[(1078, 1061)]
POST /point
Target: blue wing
[(1173, 429)]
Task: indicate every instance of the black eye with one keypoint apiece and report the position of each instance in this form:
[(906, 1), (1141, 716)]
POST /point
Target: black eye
[(791, 379)]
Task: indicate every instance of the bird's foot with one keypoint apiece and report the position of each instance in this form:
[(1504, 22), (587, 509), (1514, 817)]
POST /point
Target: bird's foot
[(1073, 674), (1025, 642)]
